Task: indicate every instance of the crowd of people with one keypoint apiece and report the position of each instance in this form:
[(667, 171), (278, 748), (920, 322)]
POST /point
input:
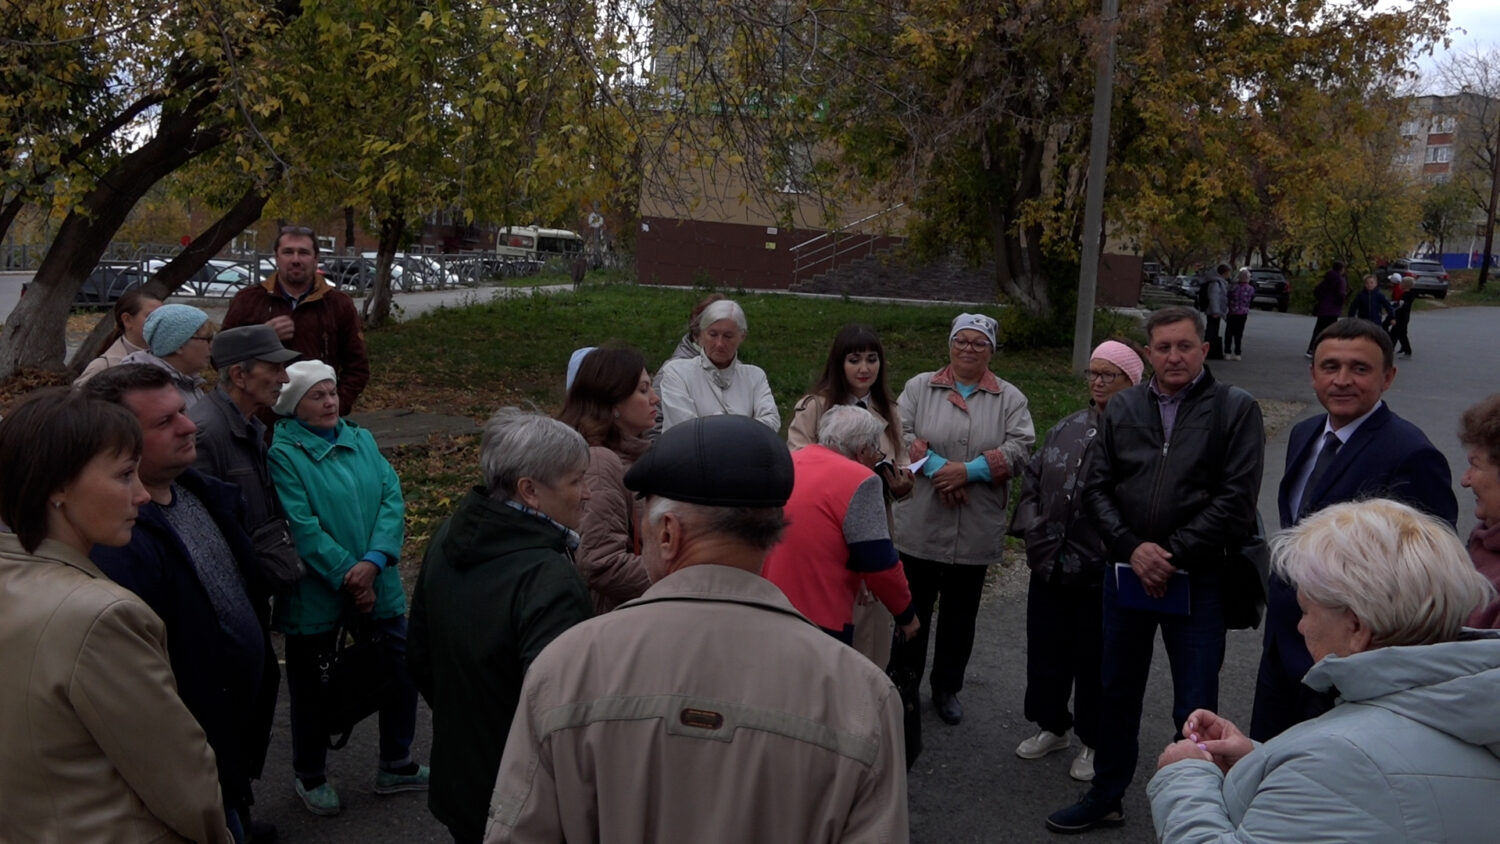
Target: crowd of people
[(653, 593)]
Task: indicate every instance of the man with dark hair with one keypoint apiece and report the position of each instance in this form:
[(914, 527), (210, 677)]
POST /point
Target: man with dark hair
[(660, 720), (1328, 301), (1357, 449), (310, 315), (190, 559), (1171, 486)]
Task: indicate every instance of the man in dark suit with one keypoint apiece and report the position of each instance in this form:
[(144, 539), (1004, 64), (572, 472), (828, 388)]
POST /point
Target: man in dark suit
[(1358, 449)]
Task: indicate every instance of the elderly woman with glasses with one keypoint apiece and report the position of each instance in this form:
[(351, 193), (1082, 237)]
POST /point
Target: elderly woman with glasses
[(717, 382), (1409, 751), (1064, 619), (178, 339), (969, 433), (497, 586)]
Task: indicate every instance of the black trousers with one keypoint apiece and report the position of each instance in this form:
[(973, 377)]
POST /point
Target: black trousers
[(959, 588), (1322, 323), (1234, 333), (1064, 641), (1215, 342), (1399, 338)]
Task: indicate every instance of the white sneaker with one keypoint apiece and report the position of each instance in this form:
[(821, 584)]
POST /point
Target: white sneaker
[(1083, 766), (1041, 744)]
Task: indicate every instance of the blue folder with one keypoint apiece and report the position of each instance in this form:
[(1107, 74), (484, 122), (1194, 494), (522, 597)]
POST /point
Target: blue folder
[(1132, 593)]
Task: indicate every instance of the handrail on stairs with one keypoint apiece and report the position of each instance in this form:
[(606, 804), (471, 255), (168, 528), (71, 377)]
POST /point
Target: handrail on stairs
[(840, 242)]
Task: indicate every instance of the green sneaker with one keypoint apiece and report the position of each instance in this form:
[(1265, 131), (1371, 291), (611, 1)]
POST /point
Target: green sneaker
[(390, 782), (322, 800)]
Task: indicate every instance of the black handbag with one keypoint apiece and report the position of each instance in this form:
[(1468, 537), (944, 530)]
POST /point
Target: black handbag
[(352, 676), (276, 557), (909, 685), (1247, 568)]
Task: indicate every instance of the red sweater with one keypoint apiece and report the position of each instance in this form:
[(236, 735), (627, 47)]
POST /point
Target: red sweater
[(837, 537)]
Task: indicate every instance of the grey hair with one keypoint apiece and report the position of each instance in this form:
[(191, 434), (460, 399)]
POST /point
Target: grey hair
[(524, 444), (1244, 275), (846, 429), (723, 309), (246, 366), (1403, 573), (758, 527)]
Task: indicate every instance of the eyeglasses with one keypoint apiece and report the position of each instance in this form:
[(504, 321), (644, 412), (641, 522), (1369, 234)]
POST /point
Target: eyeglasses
[(879, 454), (1105, 378), (970, 345), (208, 339)]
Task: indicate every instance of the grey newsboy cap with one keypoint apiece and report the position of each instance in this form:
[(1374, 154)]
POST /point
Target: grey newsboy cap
[(249, 342), (718, 461)]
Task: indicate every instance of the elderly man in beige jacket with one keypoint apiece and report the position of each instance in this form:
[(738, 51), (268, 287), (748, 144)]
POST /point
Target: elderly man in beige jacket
[(708, 709)]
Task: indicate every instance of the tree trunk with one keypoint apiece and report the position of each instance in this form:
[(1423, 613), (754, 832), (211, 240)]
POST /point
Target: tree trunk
[(34, 334), (1489, 222), (349, 229), (179, 269), (378, 303)]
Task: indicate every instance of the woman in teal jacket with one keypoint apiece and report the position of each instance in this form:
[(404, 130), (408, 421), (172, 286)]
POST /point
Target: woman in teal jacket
[(1412, 750), (343, 502)]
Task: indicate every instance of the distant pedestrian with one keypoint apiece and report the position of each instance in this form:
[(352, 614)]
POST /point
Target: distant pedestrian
[(1401, 312), (1216, 305), (1241, 294), (1370, 303), (1328, 302)]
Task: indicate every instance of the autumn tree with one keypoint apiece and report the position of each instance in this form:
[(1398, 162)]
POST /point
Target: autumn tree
[(977, 114), (1474, 77), (103, 101)]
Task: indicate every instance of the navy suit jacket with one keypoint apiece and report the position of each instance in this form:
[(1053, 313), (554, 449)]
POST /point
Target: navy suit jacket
[(1388, 457)]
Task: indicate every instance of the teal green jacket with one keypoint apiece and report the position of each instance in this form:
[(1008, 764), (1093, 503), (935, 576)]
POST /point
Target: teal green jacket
[(342, 500)]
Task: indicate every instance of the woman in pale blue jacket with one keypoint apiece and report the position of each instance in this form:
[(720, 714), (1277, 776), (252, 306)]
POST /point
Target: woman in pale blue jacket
[(343, 503), (1412, 750)]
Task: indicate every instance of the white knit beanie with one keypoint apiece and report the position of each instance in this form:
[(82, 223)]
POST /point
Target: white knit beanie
[(304, 375)]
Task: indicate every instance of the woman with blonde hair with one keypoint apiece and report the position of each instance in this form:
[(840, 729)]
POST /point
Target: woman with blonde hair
[(1408, 752)]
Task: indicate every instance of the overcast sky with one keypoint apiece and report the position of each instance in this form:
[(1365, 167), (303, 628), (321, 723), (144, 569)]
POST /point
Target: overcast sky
[(1472, 23)]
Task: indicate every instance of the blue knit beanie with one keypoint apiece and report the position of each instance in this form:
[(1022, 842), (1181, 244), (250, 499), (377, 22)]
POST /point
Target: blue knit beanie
[(170, 326)]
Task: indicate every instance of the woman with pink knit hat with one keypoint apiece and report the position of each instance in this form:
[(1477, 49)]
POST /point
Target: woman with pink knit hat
[(1064, 619)]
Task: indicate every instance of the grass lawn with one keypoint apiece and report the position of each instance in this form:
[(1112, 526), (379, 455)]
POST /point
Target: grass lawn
[(473, 360)]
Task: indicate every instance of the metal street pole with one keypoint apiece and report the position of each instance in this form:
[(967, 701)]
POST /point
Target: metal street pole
[(1093, 203)]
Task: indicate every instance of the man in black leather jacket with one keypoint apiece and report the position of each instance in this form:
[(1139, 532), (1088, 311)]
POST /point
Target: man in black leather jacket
[(1173, 483)]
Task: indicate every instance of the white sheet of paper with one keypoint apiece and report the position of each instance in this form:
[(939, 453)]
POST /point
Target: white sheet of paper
[(916, 465)]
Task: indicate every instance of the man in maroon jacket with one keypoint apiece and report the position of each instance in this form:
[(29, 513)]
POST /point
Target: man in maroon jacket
[(310, 315), (1328, 302)]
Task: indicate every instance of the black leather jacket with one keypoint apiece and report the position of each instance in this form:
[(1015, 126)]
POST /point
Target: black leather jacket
[(1195, 496)]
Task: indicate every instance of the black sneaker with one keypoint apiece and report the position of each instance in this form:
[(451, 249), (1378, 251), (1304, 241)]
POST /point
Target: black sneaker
[(1085, 815)]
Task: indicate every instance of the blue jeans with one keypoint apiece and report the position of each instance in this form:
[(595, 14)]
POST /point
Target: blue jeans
[(398, 712), (1195, 650)]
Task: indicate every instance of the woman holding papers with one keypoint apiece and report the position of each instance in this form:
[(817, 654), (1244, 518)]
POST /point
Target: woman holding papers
[(968, 432)]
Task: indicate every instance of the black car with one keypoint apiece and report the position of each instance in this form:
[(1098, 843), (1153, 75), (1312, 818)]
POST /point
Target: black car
[(108, 280), (1271, 287)]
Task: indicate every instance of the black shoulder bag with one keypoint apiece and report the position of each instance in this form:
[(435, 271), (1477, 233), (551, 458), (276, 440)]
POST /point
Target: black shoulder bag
[(352, 675)]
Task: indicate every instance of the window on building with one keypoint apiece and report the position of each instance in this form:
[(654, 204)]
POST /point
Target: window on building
[(1439, 154), (1410, 128), (1442, 124), (244, 242), (1404, 157)]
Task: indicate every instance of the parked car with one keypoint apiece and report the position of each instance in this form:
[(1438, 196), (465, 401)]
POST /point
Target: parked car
[(1187, 285), (108, 280), (1271, 287), (1428, 277)]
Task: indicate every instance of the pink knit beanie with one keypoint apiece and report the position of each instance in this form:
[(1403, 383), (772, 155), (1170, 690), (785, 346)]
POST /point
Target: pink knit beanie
[(1122, 356)]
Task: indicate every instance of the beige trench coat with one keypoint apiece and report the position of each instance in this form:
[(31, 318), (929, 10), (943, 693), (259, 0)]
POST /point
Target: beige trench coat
[(706, 710), (995, 422), (95, 744)]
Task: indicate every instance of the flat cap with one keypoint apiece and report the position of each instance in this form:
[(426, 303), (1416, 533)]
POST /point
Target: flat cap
[(248, 342), (718, 461)]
